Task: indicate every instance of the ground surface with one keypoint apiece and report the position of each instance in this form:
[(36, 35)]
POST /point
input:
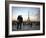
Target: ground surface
[(26, 27)]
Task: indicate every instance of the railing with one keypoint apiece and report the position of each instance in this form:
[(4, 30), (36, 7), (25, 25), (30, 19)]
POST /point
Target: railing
[(31, 23)]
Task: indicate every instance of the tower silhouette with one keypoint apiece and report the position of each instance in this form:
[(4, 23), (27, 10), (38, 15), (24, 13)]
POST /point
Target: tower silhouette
[(28, 20)]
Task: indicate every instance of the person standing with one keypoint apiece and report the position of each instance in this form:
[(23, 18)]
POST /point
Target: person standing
[(19, 22)]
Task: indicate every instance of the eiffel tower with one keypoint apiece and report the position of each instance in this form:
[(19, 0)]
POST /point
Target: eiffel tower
[(28, 20)]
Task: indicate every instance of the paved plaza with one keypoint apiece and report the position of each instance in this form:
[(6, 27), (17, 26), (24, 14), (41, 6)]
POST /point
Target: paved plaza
[(26, 27)]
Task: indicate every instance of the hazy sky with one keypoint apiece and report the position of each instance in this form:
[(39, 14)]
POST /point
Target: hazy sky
[(34, 13)]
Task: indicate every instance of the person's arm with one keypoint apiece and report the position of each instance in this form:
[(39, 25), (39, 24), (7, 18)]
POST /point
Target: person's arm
[(22, 19), (17, 20)]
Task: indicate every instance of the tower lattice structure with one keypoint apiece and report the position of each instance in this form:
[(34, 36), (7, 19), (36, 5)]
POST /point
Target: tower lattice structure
[(28, 20)]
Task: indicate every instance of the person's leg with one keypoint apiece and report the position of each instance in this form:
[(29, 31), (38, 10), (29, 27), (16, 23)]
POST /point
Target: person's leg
[(17, 26), (20, 26)]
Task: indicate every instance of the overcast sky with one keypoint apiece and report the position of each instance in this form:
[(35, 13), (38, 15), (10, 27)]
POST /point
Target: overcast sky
[(34, 13)]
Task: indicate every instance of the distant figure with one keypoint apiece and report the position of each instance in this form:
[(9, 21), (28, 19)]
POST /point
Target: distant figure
[(19, 22)]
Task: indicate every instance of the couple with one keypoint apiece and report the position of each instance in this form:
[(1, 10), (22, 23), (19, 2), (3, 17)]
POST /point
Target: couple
[(19, 22)]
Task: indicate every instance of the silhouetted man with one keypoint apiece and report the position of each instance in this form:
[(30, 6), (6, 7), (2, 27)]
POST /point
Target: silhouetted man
[(19, 22)]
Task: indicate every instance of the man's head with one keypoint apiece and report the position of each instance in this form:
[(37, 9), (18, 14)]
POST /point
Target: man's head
[(20, 15)]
